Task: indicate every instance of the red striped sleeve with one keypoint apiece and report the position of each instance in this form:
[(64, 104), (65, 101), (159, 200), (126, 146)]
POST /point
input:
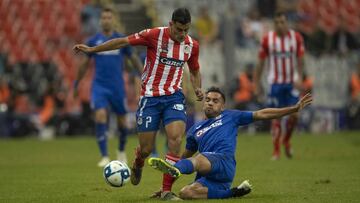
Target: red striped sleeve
[(264, 49), (144, 37), (299, 45), (193, 61)]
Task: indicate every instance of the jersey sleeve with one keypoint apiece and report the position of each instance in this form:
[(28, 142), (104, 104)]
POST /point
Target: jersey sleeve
[(264, 48), (242, 117), (141, 38), (193, 61), (191, 143), (300, 45)]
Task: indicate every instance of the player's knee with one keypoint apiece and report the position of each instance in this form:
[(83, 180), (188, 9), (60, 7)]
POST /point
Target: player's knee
[(121, 122), (174, 144), (146, 150), (100, 116)]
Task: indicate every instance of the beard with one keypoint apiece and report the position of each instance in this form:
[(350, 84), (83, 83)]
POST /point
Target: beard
[(210, 113)]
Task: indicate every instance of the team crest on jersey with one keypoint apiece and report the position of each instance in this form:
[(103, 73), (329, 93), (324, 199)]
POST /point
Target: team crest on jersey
[(139, 121), (164, 47), (187, 49)]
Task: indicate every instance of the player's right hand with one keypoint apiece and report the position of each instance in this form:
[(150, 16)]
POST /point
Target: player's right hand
[(82, 47), (199, 94)]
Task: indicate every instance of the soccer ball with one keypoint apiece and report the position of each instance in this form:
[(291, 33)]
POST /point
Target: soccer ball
[(116, 173)]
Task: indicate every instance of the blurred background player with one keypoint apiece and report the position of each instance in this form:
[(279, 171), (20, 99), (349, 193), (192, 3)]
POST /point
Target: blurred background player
[(284, 50), (162, 100), (108, 88), (215, 139)]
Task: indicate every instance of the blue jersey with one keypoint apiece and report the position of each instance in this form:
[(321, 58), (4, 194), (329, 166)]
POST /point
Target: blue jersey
[(218, 135), (109, 64)]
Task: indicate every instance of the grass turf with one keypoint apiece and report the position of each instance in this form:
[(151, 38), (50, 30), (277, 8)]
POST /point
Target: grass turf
[(326, 168)]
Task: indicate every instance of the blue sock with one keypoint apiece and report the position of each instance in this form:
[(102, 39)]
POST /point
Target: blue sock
[(122, 138), (100, 130), (219, 194), (185, 166)]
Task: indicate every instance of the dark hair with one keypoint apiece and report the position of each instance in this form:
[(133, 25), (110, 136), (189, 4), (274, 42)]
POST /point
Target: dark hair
[(217, 90), (181, 15), (107, 9), (280, 13)]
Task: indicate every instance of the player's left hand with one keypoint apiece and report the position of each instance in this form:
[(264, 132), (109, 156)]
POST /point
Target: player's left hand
[(199, 94), (82, 47), (304, 101)]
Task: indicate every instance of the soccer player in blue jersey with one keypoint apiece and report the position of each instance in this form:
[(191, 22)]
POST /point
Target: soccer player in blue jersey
[(108, 88), (215, 140)]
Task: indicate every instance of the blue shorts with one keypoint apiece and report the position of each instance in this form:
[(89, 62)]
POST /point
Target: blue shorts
[(153, 110), (222, 171), (103, 97), (282, 95)]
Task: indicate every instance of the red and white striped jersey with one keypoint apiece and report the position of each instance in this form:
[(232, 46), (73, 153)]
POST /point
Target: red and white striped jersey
[(165, 59), (282, 53)]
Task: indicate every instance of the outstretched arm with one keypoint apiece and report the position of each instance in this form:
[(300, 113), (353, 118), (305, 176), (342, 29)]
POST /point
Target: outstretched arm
[(195, 79), (271, 113), (113, 44)]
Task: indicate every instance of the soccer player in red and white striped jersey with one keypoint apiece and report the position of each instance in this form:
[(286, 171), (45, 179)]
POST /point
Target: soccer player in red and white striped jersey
[(284, 50), (168, 49)]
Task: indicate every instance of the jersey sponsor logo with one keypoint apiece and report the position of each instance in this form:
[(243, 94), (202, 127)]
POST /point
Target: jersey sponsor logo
[(179, 107), (286, 54), (204, 130), (172, 62)]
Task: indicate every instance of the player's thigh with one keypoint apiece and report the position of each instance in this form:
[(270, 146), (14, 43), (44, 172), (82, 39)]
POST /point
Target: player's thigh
[(222, 167), (276, 97), (118, 102), (194, 191), (99, 98), (201, 164), (174, 108), (292, 96), (148, 115)]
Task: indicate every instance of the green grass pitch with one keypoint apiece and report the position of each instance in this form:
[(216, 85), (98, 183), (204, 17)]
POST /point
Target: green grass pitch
[(326, 168)]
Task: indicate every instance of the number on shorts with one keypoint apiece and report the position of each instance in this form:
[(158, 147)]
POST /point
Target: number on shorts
[(148, 120)]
